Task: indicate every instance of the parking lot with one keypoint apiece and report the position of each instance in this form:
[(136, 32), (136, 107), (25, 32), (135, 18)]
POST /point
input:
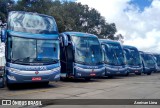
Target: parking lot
[(131, 87)]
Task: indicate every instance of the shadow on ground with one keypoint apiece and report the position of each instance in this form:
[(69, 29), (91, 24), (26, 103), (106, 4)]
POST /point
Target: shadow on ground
[(31, 86)]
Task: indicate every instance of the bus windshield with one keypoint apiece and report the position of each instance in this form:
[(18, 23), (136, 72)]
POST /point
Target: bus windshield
[(31, 22), (87, 50), (24, 50), (114, 54), (133, 57), (157, 59), (148, 60)]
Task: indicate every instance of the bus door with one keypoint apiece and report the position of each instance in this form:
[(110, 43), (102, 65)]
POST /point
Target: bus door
[(67, 56)]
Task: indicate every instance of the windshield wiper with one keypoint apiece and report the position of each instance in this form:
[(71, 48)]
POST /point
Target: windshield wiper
[(46, 60), (54, 60), (80, 62), (23, 59)]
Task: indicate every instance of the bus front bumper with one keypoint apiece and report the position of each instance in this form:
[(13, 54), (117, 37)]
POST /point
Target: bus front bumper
[(14, 76), (134, 70), (115, 71), (89, 73), (148, 70)]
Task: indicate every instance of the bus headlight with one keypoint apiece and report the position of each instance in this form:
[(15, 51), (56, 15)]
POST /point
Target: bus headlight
[(57, 76), (11, 77), (13, 70), (55, 69)]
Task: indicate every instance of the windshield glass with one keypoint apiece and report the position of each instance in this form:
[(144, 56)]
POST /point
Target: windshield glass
[(87, 50), (157, 58), (31, 22), (133, 57), (148, 60), (114, 54), (23, 50)]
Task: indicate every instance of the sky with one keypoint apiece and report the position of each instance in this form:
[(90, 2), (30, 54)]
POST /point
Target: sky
[(137, 20)]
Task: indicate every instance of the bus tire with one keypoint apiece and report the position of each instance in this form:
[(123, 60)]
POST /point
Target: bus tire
[(127, 74), (63, 79), (2, 82), (45, 83), (110, 76), (87, 79), (149, 73), (9, 86), (138, 73)]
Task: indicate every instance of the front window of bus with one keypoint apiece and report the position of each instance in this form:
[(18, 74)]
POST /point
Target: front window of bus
[(31, 23), (114, 54), (157, 57), (87, 50), (24, 50), (148, 60), (133, 57)]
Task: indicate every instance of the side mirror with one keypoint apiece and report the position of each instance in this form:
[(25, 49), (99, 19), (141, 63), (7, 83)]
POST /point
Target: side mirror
[(3, 35), (65, 39)]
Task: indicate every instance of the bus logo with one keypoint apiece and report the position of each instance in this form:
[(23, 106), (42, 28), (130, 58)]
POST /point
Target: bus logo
[(36, 72), (92, 70)]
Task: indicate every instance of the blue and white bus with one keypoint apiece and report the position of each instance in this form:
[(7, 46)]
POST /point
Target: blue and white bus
[(81, 56), (115, 60), (149, 65), (31, 48), (133, 59), (157, 60)]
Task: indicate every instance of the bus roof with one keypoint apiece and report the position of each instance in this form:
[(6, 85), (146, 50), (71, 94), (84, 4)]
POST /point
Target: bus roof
[(129, 47), (109, 41), (31, 13), (145, 53), (33, 36), (80, 34)]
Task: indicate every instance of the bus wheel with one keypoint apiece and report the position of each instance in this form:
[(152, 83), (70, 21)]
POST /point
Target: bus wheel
[(87, 79), (138, 73), (45, 83), (1, 82), (63, 79), (127, 74), (149, 73), (9, 86), (110, 76)]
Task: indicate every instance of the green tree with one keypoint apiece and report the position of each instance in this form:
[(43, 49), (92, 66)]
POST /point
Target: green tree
[(5, 7), (70, 16)]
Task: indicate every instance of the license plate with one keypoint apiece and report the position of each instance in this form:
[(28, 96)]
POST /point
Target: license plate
[(136, 71), (36, 78), (92, 74)]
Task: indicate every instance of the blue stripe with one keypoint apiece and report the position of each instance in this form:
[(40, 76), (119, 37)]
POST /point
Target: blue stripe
[(36, 36)]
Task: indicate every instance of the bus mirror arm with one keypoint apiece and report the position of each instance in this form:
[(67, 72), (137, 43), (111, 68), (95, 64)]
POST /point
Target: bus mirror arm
[(65, 40), (3, 35)]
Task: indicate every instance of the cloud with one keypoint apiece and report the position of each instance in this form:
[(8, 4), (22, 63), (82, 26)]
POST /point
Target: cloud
[(140, 28)]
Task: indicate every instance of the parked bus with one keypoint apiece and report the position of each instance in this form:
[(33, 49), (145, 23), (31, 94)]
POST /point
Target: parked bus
[(31, 48), (157, 59), (2, 63), (148, 63), (81, 56), (133, 60), (115, 60)]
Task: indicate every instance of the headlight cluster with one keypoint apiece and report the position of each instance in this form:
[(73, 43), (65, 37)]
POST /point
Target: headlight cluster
[(55, 69), (13, 70)]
